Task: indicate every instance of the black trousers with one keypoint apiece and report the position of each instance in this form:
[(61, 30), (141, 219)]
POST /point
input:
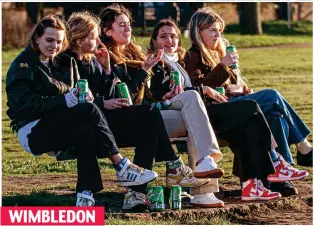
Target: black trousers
[(141, 127), (83, 126), (244, 126)]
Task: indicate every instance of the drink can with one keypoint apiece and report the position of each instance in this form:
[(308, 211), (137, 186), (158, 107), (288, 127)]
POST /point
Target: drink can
[(220, 90), (231, 48), (82, 87), (175, 197), (175, 78), (156, 198), (123, 92)]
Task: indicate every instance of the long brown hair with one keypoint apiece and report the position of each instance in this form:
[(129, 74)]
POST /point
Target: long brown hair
[(203, 19), (160, 24), (52, 21), (108, 16), (81, 24)]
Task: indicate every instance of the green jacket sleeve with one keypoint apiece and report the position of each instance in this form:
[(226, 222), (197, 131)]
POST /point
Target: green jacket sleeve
[(23, 98)]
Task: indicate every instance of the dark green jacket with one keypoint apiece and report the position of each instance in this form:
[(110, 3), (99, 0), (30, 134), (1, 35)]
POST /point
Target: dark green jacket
[(34, 90)]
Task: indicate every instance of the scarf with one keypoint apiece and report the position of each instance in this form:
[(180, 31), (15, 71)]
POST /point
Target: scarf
[(171, 59)]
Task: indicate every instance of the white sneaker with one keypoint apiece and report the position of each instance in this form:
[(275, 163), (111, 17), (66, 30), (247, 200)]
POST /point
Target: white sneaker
[(84, 199), (207, 168), (129, 174), (207, 200), (134, 199)]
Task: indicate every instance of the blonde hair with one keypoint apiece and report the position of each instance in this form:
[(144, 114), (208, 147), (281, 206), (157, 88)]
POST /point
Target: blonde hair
[(52, 21), (81, 24), (204, 18)]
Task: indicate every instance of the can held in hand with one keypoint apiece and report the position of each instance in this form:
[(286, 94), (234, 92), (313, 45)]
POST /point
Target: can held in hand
[(82, 87), (175, 78), (123, 92), (175, 197), (220, 90), (156, 198), (231, 48)]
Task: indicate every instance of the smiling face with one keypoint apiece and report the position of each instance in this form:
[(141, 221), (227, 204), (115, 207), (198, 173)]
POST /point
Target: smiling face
[(167, 39), (120, 31), (50, 43), (211, 36), (90, 43)]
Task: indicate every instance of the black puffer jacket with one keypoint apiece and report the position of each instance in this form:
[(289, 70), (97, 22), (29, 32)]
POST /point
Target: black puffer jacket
[(34, 90)]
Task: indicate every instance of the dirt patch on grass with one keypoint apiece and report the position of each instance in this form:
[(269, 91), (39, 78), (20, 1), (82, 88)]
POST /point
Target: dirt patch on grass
[(290, 210)]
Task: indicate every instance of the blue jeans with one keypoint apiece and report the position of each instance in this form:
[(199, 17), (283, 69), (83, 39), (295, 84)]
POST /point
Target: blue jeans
[(285, 124)]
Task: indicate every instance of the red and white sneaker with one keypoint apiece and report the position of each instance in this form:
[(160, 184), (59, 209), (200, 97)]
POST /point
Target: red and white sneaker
[(285, 172), (253, 189)]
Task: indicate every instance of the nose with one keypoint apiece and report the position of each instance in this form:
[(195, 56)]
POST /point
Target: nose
[(54, 45), (97, 41), (128, 28), (218, 34)]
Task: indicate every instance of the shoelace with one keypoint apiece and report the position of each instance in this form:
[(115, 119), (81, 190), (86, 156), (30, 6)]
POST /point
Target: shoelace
[(187, 172), (140, 195), (287, 165), (135, 168), (260, 186)]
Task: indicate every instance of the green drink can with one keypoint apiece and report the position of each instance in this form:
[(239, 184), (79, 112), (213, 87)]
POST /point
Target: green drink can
[(220, 90), (156, 198), (175, 78), (82, 87), (175, 197), (231, 48), (123, 92)]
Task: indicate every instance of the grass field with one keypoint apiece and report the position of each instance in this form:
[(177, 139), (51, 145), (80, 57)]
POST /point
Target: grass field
[(38, 181)]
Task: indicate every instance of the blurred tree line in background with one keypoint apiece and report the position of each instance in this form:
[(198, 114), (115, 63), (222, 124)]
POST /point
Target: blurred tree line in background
[(19, 18)]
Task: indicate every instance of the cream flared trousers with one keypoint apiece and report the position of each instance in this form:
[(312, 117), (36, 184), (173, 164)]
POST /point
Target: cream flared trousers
[(187, 114)]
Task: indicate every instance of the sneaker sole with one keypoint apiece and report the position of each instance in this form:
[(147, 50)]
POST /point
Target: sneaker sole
[(258, 198), (187, 185), (217, 173), (132, 183), (215, 205), (276, 179)]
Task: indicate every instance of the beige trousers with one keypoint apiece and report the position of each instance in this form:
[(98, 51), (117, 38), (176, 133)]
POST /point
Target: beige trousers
[(187, 113)]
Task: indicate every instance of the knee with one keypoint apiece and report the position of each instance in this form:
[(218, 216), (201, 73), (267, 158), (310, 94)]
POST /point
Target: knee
[(272, 93), (193, 95), (88, 110)]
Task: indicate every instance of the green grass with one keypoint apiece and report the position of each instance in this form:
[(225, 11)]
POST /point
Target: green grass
[(288, 70)]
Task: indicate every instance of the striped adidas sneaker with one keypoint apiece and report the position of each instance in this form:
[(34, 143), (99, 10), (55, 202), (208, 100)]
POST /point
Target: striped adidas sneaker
[(129, 174)]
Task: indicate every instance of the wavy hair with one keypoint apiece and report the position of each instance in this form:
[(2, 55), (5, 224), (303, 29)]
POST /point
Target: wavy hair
[(204, 18), (108, 16), (160, 24), (52, 21), (81, 24)]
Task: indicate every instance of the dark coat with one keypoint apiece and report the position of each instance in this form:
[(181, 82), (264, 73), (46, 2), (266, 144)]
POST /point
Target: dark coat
[(34, 90), (160, 82)]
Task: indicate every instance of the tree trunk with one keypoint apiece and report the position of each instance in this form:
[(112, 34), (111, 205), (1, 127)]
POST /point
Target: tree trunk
[(251, 18)]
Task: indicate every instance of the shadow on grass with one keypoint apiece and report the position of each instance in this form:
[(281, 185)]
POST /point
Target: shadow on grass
[(111, 200)]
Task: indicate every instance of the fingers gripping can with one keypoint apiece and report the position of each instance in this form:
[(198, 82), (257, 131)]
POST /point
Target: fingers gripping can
[(175, 78), (82, 88), (156, 198), (231, 48), (220, 90), (175, 197), (123, 92)]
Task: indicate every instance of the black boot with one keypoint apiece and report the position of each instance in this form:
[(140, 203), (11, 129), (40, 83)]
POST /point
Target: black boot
[(286, 188), (305, 160)]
